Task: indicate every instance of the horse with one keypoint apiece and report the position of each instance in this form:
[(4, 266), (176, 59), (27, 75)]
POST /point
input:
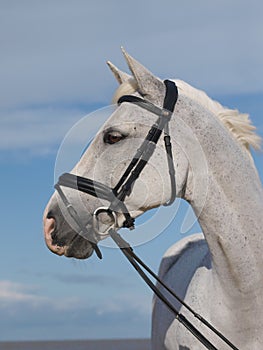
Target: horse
[(219, 271)]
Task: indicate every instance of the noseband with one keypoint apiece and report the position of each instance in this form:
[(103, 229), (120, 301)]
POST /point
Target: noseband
[(117, 195)]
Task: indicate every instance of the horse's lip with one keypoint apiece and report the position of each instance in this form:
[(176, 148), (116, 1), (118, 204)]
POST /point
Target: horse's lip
[(65, 250), (54, 248), (69, 254), (59, 250), (66, 244)]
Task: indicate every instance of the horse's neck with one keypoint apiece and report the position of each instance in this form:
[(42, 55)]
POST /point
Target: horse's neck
[(231, 221), (231, 215)]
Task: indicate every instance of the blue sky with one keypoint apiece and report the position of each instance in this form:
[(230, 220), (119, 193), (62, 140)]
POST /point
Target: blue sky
[(52, 73)]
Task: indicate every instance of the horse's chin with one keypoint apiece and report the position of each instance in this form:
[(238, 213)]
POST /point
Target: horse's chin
[(78, 251), (79, 248)]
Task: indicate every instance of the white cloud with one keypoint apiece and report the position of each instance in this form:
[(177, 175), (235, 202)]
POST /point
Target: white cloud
[(14, 295), (28, 314), (11, 292), (40, 130), (55, 55), (100, 281), (35, 130)]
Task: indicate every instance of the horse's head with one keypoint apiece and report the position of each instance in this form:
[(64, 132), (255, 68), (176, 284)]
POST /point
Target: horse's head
[(105, 162)]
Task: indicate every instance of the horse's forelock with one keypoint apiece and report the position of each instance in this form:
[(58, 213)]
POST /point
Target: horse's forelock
[(129, 87)]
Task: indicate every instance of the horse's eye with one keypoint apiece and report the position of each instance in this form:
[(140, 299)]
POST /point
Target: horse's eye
[(112, 137)]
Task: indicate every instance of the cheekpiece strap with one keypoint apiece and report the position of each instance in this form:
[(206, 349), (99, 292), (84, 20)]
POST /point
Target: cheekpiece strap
[(171, 95)]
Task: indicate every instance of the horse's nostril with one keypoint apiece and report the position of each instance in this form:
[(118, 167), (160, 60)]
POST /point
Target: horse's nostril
[(49, 225), (50, 228), (50, 215)]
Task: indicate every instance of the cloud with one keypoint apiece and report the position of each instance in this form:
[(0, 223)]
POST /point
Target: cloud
[(97, 280), (15, 297), (50, 54), (11, 292), (39, 131), (27, 314), (35, 130), (53, 56)]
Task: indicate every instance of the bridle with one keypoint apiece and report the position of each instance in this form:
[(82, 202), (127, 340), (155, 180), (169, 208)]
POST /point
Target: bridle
[(116, 197)]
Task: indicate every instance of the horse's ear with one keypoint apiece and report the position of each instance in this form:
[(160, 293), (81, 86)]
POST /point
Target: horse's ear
[(149, 85), (121, 77)]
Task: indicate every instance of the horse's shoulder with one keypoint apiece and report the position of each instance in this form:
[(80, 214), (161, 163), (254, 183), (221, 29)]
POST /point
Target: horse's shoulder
[(186, 256), (184, 263)]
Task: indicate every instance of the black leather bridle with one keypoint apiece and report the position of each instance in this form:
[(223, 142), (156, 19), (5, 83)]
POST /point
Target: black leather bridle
[(116, 197)]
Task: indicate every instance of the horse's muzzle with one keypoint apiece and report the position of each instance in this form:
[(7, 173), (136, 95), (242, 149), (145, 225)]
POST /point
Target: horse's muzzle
[(61, 239)]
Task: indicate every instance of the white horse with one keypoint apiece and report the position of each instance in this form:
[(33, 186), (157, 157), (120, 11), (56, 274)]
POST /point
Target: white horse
[(219, 273)]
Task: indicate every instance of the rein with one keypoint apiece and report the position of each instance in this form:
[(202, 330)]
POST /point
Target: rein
[(117, 195), (139, 265)]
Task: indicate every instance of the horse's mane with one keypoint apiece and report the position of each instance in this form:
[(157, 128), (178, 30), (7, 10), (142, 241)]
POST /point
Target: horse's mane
[(237, 123)]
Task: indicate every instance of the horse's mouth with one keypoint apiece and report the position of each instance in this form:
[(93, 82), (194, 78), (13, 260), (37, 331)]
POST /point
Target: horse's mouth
[(71, 244)]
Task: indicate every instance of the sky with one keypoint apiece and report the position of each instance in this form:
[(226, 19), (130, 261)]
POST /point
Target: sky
[(53, 73)]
